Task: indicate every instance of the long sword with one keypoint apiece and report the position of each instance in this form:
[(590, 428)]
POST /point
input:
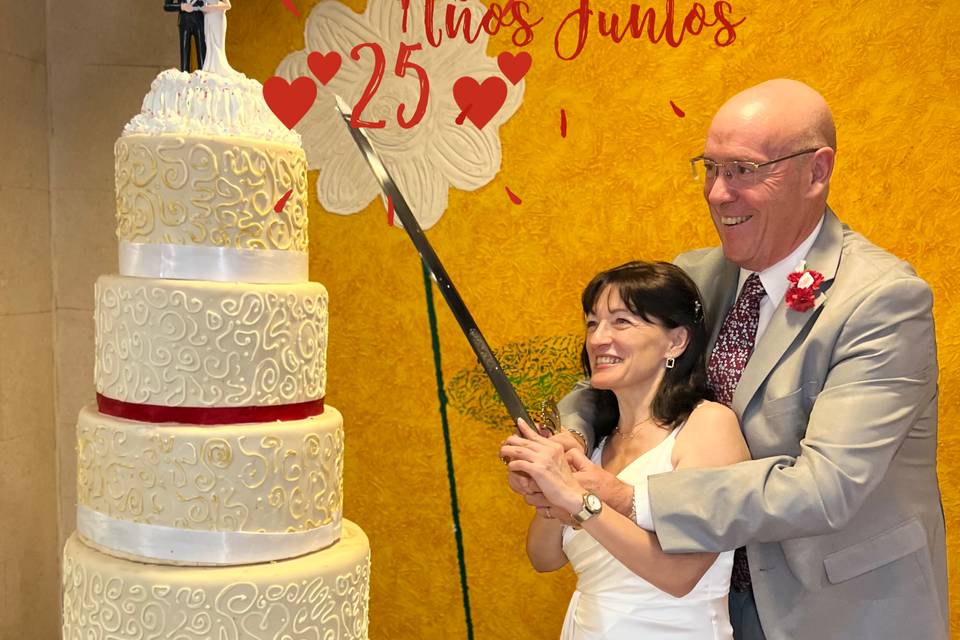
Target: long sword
[(402, 210)]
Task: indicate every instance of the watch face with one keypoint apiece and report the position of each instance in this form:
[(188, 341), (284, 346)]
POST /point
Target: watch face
[(592, 502)]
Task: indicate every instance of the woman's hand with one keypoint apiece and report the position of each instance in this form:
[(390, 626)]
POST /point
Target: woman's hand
[(544, 460)]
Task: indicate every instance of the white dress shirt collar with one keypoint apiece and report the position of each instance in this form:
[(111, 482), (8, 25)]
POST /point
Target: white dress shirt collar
[(774, 278)]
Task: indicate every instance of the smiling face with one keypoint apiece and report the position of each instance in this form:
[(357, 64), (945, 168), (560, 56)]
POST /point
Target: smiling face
[(760, 224), (625, 351)]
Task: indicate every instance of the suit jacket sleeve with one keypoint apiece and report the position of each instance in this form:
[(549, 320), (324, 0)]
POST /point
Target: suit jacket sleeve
[(171, 5), (883, 373), (577, 412)]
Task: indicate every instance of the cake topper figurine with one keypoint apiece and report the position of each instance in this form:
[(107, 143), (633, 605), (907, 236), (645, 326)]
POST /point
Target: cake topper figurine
[(190, 25), (215, 28)]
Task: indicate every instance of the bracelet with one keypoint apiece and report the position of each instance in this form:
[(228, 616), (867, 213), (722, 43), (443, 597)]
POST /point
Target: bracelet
[(633, 507), (579, 436)]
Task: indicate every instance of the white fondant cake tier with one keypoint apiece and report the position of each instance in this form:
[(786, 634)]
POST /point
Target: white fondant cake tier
[(211, 192), (183, 494), (188, 343), (320, 595)]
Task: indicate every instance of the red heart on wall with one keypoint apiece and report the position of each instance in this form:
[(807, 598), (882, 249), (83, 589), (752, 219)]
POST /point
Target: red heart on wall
[(479, 101), (289, 102), (324, 66), (514, 67)]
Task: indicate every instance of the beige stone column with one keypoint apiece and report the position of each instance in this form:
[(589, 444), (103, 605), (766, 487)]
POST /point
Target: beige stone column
[(71, 75), (29, 588), (101, 62)]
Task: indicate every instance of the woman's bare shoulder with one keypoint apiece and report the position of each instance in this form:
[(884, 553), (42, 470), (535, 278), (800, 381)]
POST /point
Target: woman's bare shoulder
[(710, 437), (711, 412)]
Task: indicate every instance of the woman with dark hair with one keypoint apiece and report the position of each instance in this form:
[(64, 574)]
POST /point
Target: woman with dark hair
[(644, 354)]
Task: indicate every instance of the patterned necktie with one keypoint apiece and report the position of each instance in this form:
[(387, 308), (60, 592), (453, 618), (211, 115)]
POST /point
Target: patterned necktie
[(735, 341), (730, 355)]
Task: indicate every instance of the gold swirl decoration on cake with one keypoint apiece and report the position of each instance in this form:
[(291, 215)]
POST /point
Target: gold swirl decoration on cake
[(213, 191), (320, 595), (190, 343), (212, 478)]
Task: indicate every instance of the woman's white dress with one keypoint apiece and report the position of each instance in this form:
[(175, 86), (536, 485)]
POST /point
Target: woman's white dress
[(613, 603), (215, 36)]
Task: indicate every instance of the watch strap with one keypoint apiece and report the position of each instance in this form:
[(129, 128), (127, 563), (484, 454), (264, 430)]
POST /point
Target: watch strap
[(586, 512)]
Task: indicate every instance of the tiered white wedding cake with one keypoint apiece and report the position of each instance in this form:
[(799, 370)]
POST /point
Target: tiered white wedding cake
[(209, 473)]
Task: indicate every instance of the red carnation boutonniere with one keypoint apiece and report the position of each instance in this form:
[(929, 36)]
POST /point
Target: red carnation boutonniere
[(804, 284)]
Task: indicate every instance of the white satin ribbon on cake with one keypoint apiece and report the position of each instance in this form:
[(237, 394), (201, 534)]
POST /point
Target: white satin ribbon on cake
[(207, 547), (221, 264)]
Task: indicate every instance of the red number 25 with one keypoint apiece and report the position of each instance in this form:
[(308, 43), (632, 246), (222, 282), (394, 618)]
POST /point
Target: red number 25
[(403, 64)]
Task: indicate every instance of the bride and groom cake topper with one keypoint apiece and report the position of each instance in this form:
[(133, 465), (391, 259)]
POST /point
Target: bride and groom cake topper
[(204, 23)]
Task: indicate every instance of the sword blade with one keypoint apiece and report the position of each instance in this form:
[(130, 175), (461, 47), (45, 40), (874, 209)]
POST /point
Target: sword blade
[(467, 324)]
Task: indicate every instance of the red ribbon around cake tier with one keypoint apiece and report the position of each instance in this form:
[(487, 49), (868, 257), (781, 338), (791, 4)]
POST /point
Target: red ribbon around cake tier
[(208, 415)]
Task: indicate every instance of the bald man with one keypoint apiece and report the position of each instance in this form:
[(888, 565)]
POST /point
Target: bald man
[(839, 510)]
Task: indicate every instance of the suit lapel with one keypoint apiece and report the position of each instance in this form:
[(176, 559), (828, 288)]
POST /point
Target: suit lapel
[(786, 324)]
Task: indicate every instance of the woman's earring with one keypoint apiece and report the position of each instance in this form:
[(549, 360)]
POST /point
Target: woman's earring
[(670, 363)]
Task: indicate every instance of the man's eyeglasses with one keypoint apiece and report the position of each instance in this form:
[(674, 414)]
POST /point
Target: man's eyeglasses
[(737, 173)]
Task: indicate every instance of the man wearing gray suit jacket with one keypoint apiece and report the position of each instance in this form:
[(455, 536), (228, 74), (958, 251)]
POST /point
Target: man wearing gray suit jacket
[(840, 509)]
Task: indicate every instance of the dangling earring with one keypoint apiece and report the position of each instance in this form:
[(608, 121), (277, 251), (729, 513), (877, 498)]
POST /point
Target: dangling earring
[(670, 363)]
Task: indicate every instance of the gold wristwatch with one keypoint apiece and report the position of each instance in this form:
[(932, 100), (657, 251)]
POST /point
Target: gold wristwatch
[(592, 506)]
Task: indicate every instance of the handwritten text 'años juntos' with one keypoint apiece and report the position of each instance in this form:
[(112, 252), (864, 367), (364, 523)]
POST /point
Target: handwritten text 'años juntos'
[(479, 99), (669, 25)]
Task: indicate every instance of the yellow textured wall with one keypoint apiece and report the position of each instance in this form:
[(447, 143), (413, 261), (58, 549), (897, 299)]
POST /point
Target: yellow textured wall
[(617, 187)]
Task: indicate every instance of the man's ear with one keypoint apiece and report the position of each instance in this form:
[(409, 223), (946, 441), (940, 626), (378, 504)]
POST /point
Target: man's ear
[(821, 168)]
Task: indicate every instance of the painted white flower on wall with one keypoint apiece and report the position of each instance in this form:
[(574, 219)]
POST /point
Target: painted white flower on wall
[(425, 160)]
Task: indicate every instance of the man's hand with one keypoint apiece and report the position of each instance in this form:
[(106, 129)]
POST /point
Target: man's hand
[(570, 440), (526, 487), (617, 494), (523, 484), (184, 6)]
